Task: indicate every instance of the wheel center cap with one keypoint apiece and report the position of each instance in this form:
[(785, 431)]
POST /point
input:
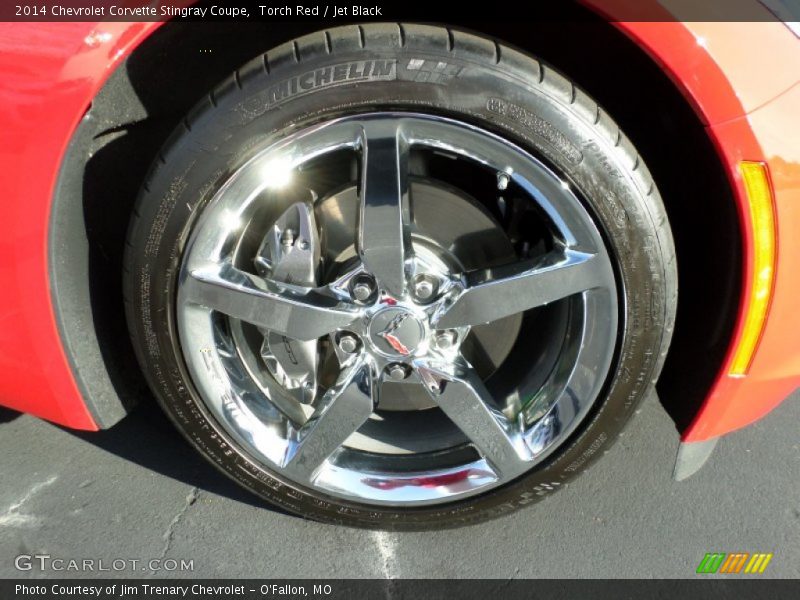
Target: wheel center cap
[(396, 332)]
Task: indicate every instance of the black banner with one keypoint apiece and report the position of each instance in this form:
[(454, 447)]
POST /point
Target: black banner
[(339, 11), (406, 589)]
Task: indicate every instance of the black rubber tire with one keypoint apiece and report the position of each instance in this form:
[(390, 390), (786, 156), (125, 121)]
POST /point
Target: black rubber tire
[(453, 73)]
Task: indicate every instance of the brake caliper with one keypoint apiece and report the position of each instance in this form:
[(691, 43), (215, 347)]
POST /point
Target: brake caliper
[(290, 254)]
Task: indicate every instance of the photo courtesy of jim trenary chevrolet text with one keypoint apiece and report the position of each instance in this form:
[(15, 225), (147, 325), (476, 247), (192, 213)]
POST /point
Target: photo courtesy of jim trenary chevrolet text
[(145, 590), (380, 299)]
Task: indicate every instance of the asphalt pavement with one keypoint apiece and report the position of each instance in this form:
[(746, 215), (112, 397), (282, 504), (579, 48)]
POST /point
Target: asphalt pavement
[(137, 492)]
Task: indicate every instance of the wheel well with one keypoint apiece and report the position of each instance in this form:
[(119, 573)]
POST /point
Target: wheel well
[(687, 169), (168, 73)]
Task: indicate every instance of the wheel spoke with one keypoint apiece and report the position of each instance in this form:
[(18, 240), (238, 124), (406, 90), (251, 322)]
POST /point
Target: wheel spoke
[(383, 237), (492, 294), (297, 312), (342, 410), (463, 397)]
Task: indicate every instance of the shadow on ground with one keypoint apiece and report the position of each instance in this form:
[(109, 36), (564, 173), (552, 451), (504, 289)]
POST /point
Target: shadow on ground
[(147, 438), (7, 415)]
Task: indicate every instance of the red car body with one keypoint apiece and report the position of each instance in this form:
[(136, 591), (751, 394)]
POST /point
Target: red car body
[(750, 107)]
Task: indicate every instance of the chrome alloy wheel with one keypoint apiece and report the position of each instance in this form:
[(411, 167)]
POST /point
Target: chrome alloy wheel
[(370, 330)]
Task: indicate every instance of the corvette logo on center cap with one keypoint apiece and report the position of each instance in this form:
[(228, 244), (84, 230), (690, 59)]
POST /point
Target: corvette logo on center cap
[(396, 331), (388, 334)]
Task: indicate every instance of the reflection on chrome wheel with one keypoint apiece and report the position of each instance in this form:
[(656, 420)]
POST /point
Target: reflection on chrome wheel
[(399, 277), (304, 299)]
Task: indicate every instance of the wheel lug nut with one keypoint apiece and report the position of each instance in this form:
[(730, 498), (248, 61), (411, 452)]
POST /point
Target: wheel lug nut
[(397, 372), (425, 287), (362, 288), (362, 291), (445, 340), (348, 343)]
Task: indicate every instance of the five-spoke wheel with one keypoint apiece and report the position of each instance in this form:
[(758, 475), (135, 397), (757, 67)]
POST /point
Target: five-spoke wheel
[(394, 305)]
